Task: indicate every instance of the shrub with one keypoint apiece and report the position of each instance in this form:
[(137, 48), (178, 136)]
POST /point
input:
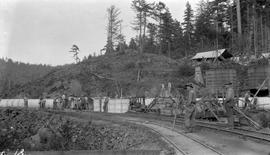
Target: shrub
[(186, 70), (130, 65)]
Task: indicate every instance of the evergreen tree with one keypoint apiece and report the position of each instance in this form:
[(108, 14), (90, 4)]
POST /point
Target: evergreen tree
[(121, 47), (205, 32), (143, 11), (132, 44), (188, 26), (165, 32), (177, 40), (157, 14), (113, 28), (150, 45), (75, 49)]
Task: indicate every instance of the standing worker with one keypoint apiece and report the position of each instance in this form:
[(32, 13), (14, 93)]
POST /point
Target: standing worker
[(247, 101), (58, 103), (40, 102), (83, 103), (43, 103), (54, 103), (190, 108), (162, 91), (64, 103), (105, 106), (100, 103), (72, 103), (86, 102), (90, 104), (25, 100), (229, 104)]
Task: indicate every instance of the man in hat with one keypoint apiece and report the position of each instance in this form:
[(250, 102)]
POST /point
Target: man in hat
[(190, 108), (105, 106), (229, 103), (25, 100), (247, 101)]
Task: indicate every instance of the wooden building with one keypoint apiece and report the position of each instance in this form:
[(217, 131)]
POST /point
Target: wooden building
[(216, 78), (220, 54), (256, 76)]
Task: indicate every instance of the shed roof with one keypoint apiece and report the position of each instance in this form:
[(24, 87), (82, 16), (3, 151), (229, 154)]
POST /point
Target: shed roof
[(212, 54)]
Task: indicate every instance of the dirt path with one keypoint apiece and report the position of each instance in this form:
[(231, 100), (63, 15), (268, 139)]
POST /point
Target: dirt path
[(183, 144), (224, 143)]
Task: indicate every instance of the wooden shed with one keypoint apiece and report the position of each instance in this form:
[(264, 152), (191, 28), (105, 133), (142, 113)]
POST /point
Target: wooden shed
[(216, 78), (256, 75), (220, 54)]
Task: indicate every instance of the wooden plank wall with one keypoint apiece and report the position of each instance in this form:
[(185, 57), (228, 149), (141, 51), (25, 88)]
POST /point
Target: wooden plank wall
[(256, 76), (216, 78)]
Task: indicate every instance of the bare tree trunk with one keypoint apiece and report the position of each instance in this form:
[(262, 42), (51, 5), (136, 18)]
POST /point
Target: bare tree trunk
[(268, 34), (248, 30), (261, 30), (254, 30), (111, 37), (169, 49), (267, 31), (239, 25), (268, 38), (159, 36), (232, 43), (144, 29), (140, 35)]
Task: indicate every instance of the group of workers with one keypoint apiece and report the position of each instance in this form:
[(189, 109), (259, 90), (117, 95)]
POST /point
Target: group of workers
[(73, 102), (64, 102), (85, 103), (190, 106)]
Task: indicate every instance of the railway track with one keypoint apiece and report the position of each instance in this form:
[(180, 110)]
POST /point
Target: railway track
[(238, 131), (198, 141), (181, 148), (253, 134), (257, 135), (181, 142)]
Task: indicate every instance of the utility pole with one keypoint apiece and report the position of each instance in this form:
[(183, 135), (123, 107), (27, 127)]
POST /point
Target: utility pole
[(239, 27)]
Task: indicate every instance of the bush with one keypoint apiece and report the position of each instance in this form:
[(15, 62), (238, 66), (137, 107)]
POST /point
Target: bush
[(186, 70), (130, 65), (105, 66)]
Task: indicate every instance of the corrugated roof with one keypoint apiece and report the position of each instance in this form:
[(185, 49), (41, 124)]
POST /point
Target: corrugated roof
[(209, 54)]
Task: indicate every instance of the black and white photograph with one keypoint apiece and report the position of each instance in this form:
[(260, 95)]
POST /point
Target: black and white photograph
[(134, 77)]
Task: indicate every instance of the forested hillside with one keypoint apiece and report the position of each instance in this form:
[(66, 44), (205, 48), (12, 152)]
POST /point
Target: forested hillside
[(113, 74), (14, 74), (160, 51), (243, 26)]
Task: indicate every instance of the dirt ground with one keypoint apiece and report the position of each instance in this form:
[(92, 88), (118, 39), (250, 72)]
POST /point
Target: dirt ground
[(226, 143), (42, 131), (101, 131)]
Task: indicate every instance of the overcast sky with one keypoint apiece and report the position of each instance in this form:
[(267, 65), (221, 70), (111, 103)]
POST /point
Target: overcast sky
[(43, 31)]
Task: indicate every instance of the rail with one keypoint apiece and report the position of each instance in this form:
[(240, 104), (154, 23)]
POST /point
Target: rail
[(258, 135)]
